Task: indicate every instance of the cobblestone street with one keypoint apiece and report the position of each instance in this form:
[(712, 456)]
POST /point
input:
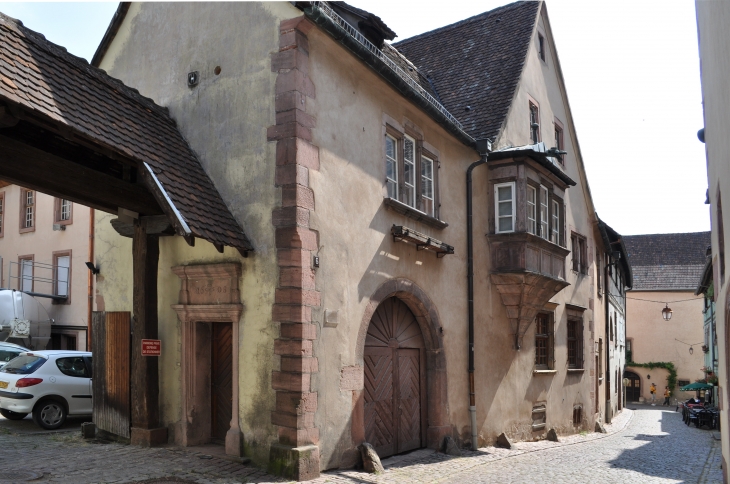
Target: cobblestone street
[(648, 445)]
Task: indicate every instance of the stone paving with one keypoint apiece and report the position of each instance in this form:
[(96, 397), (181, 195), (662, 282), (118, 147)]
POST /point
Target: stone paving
[(648, 445)]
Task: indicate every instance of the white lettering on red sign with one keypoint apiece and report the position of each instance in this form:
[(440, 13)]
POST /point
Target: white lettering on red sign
[(151, 347)]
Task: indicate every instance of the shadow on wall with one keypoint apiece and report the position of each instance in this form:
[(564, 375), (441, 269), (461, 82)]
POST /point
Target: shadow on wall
[(677, 453)]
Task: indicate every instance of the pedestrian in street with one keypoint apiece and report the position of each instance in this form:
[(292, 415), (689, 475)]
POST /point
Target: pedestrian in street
[(666, 396), (652, 390)]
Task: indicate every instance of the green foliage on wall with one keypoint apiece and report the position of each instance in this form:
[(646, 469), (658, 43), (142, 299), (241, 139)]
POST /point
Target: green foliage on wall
[(671, 378)]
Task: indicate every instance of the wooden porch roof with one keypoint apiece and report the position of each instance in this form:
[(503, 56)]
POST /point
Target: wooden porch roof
[(69, 129)]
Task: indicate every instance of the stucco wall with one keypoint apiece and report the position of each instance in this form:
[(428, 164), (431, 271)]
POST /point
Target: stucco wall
[(714, 46), (41, 244), (654, 340), (224, 119)]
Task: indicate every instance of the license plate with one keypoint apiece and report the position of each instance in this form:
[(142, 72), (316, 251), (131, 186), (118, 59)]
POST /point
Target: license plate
[(3, 384)]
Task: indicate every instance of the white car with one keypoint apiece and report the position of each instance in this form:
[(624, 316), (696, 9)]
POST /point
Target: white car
[(49, 384), (8, 351)]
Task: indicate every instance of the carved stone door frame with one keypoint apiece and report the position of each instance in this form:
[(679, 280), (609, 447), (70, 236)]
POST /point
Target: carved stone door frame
[(209, 294)]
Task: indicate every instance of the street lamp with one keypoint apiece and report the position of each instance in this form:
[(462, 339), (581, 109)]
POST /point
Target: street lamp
[(667, 313)]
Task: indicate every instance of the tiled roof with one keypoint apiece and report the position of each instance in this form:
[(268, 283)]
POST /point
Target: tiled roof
[(667, 261), (44, 78), (477, 63)]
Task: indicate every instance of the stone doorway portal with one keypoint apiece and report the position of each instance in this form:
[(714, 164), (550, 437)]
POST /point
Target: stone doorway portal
[(395, 383)]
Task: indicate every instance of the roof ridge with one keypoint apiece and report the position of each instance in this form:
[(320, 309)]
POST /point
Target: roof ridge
[(703, 232), (465, 21), (40, 40)]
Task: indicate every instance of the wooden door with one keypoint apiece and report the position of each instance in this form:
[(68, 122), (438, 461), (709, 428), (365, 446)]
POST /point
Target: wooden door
[(633, 390), (221, 382), (395, 409), (111, 397)]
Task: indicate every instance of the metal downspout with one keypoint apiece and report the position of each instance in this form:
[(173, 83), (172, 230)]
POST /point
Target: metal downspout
[(470, 297)]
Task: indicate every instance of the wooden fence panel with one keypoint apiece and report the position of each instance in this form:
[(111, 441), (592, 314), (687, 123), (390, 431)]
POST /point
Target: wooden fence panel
[(111, 334)]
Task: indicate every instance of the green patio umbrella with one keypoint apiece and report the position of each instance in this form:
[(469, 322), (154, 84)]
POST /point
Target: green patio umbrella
[(696, 386)]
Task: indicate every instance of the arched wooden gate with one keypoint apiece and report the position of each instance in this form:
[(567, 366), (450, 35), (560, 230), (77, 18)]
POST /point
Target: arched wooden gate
[(395, 380)]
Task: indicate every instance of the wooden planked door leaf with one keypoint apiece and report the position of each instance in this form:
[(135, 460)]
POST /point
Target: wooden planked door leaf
[(221, 383), (394, 380)]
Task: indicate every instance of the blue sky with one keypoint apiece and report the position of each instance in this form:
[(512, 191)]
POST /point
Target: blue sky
[(632, 73)]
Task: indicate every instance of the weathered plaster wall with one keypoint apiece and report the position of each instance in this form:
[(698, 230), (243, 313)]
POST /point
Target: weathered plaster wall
[(542, 82), (224, 119), (41, 243), (357, 252), (712, 20), (653, 339)]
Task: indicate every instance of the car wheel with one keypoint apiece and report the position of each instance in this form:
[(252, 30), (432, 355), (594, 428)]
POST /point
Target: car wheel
[(10, 415), (49, 414)]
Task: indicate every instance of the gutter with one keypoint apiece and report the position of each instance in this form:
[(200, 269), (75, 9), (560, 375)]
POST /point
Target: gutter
[(111, 33), (334, 30)]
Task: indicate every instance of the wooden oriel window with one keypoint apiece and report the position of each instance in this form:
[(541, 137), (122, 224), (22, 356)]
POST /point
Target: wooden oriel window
[(544, 342), (575, 343), (411, 173), (27, 210), (534, 123), (2, 216), (62, 211)]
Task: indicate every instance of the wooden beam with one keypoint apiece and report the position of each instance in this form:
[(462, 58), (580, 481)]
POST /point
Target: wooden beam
[(154, 225), (144, 380), (32, 168)]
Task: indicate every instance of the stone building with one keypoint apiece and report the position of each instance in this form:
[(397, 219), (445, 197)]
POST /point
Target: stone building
[(714, 49), (44, 245), (666, 268), (345, 160)]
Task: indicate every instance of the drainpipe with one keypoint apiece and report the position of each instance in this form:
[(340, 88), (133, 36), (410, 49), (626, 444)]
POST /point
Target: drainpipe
[(91, 280), (483, 147)]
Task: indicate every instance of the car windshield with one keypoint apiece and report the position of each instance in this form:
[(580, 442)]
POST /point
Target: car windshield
[(23, 365)]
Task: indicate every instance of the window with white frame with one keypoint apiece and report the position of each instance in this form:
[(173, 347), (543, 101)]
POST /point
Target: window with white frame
[(65, 209), (555, 226), (391, 166), (427, 198), (409, 171), (504, 205), (544, 233), (531, 210), (27, 210), (62, 269)]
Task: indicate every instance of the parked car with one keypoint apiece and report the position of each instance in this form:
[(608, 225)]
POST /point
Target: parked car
[(49, 384), (8, 351)]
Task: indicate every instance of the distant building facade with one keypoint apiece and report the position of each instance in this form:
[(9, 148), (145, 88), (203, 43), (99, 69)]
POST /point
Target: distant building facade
[(666, 268), (44, 245), (706, 288)]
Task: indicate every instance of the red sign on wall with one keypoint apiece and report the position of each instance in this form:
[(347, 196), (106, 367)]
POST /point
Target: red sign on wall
[(151, 347)]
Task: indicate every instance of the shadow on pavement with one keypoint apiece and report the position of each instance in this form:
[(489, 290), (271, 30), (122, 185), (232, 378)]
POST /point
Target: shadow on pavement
[(678, 453), (28, 427)]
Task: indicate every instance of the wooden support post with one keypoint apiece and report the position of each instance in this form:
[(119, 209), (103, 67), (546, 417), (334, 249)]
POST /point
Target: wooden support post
[(144, 379)]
